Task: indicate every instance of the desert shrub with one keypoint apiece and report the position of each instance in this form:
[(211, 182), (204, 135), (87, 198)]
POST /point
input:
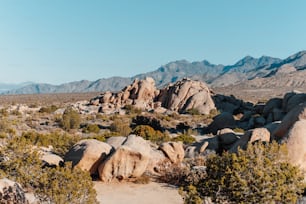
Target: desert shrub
[(61, 142), (261, 174), (191, 195), (143, 179), (193, 111), (121, 126), (65, 185), (130, 109), (238, 130), (91, 128), (148, 133), (71, 119), (185, 138), (48, 109), (50, 185), (4, 112), (100, 137)]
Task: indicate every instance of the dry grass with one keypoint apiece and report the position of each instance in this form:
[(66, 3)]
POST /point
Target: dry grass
[(45, 99)]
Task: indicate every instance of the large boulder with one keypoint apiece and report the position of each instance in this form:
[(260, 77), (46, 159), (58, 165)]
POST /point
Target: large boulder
[(129, 160), (174, 151), (185, 95), (116, 141), (227, 137), (296, 144), (274, 103), (294, 101), (88, 154), (11, 192), (157, 160), (297, 113), (140, 94), (251, 136), (221, 121)]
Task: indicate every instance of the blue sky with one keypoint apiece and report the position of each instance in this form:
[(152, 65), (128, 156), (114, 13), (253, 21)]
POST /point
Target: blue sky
[(56, 41)]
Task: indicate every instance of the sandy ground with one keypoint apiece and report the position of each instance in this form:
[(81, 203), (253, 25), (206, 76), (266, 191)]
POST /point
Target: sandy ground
[(152, 193)]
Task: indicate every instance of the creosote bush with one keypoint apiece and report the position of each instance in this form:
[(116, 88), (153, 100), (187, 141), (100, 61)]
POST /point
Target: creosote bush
[(186, 138), (48, 109), (91, 128), (261, 174), (121, 126), (71, 119), (148, 133), (61, 142), (50, 185)]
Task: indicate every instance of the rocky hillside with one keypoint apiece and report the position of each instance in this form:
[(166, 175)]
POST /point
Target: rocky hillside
[(245, 69)]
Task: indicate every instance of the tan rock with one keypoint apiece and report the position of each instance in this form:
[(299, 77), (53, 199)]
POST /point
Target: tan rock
[(296, 144), (187, 94), (88, 154), (116, 141), (297, 113), (174, 151), (11, 192), (129, 160), (221, 121), (257, 134)]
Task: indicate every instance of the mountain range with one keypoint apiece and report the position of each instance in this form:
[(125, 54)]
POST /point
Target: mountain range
[(244, 71)]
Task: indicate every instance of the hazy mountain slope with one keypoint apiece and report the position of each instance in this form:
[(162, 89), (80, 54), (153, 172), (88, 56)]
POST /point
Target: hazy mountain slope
[(173, 71), (238, 72), (114, 83), (245, 69)]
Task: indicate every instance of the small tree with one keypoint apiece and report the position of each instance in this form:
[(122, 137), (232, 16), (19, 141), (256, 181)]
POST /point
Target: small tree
[(261, 174), (71, 119)]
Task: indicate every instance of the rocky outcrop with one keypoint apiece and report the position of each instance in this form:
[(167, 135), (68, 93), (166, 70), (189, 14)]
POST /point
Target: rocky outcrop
[(296, 114), (88, 154), (182, 96), (251, 136), (174, 151), (128, 161), (221, 121), (11, 192), (140, 93), (185, 95), (296, 144)]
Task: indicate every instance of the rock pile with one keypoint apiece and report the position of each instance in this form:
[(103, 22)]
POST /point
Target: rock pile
[(131, 157), (182, 96)]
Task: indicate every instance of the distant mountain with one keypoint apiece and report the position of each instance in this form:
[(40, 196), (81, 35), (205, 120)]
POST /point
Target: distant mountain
[(4, 87), (113, 83), (246, 69)]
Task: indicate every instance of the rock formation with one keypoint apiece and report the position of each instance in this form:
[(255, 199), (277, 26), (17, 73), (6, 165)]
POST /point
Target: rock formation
[(185, 95), (88, 154)]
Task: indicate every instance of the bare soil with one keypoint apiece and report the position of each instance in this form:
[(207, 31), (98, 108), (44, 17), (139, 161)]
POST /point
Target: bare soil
[(152, 193)]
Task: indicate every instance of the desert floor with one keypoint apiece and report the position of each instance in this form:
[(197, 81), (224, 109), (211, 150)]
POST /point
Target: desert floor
[(152, 193)]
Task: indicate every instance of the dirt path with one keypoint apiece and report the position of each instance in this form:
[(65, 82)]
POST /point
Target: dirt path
[(152, 193)]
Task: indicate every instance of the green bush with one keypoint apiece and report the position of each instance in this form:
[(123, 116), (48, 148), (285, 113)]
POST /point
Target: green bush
[(121, 126), (61, 142), (48, 109), (261, 174), (185, 138), (130, 109), (50, 185), (193, 111), (71, 119), (91, 128), (148, 133)]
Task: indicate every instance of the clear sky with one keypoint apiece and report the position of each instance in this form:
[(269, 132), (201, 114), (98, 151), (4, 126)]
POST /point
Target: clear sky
[(58, 41)]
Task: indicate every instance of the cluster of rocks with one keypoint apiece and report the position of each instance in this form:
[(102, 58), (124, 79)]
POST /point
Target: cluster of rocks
[(182, 96), (283, 120), (123, 157)]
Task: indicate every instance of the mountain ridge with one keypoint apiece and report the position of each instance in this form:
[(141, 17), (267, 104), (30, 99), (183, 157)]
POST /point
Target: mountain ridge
[(216, 75)]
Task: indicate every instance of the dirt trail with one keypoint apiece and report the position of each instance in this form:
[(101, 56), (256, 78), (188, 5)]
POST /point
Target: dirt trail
[(152, 193)]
